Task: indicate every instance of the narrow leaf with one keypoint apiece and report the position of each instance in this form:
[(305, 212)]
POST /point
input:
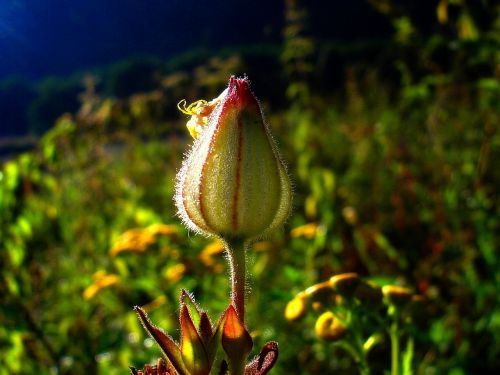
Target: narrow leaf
[(166, 343), (213, 344), (206, 330), (187, 299), (193, 350)]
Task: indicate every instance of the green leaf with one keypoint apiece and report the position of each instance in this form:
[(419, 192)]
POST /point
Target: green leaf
[(193, 350), (187, 299), (166, 343)]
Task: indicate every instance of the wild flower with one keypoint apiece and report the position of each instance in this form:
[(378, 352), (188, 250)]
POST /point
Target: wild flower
[(232, 186)]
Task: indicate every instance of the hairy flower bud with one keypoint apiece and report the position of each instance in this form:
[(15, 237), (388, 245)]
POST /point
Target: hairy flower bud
[(233, 183)]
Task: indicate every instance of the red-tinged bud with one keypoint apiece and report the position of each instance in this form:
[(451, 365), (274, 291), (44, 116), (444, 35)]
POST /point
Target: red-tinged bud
[(236, 341), (233, 183)]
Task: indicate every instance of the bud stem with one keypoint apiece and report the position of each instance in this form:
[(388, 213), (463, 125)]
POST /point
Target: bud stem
[(236, 249), (394, 335)]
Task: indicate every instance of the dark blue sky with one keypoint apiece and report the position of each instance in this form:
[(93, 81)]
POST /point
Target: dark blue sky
[(41, 37), (56, 36)]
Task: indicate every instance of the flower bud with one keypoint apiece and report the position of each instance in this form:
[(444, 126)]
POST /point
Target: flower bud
[(345, 283), (295, 309), (329, 328), (236, 341), (233, 183), (397, 295)]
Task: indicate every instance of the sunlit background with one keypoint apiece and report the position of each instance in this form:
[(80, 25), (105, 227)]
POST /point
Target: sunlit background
[(387, 114)]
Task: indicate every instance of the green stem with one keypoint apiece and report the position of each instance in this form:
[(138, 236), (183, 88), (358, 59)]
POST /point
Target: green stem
[(349, 349), (236, 254), (358, 341), (363, 365), (356, 355), (394, 334)]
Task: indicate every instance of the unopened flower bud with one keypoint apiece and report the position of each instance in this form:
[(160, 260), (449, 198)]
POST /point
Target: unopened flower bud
[(397, 295), (329, 327), (321, 292), (345, 283), (233, 183), (295, 309)]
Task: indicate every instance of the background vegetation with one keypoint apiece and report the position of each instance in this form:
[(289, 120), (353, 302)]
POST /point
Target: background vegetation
[(393, 149)]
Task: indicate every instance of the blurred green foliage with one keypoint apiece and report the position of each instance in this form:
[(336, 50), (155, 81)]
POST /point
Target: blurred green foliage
[(396, 177)]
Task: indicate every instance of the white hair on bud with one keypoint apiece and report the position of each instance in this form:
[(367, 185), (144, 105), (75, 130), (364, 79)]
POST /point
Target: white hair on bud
[(182, 174)]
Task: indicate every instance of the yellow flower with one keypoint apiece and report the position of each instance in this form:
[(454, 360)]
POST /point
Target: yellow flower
[(175, 273), (100, 280), (295, 309), (328, 327), (397, 295), (134, 240), (139, 239), (214, 248), (307, 230), (163, 229)]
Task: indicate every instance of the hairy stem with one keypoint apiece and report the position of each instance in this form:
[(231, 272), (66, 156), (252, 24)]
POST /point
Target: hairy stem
[(236, 254)]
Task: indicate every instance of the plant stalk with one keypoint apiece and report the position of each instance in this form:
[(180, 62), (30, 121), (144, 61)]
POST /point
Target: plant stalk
[(358, 342), (236, 253), (394, 334)]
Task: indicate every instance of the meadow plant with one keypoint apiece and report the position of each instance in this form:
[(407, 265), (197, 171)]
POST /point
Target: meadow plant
[(233, 186), (358, 316)]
